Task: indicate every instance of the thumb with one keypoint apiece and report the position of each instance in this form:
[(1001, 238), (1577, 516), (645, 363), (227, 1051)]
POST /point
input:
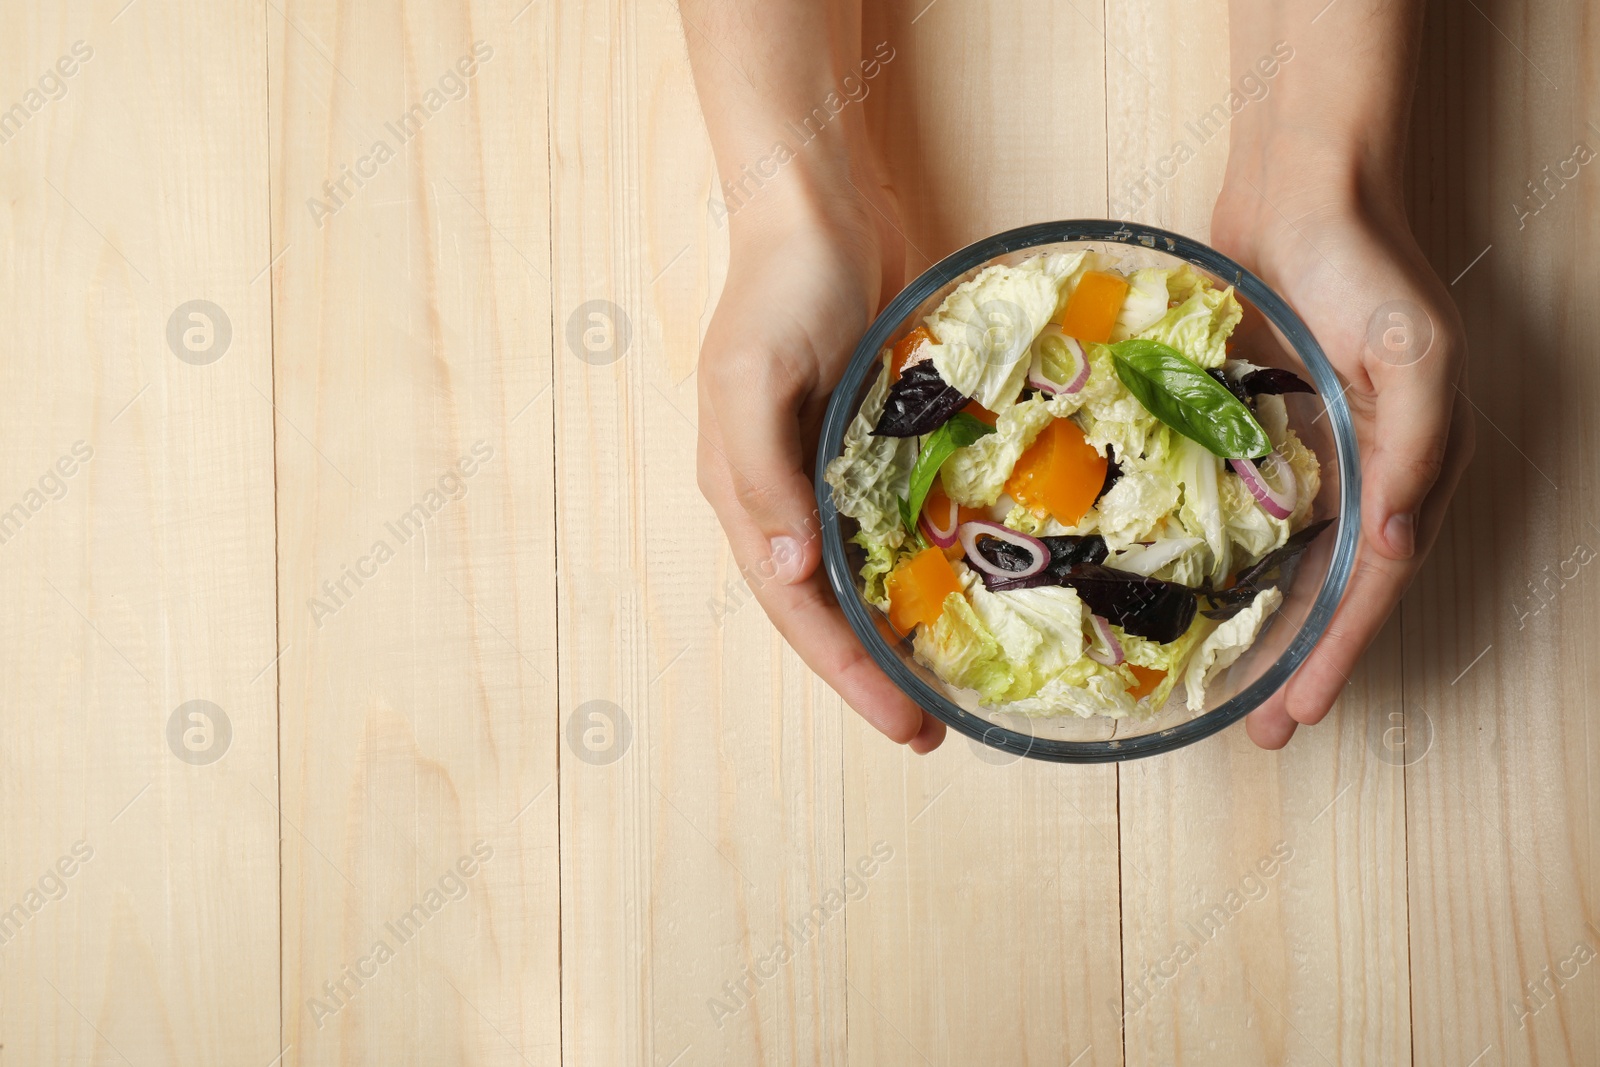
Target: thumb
[(758, 423), (1410, 433)]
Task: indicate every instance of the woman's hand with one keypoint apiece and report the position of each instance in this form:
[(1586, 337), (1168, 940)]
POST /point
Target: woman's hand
[(810, 265), (814, 253), (1338, 248)]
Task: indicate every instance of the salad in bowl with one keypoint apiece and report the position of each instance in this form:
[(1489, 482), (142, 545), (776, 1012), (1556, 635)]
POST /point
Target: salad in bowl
[(1069, 493)]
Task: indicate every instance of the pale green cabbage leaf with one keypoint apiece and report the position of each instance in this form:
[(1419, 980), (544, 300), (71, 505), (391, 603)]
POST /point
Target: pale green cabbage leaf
[(1200, 474), (1110, 415), (882, 559), (975, 475), (1225, 644), (1052, 614), (986, 326), (1169, 657), (871, 473), (1086, 689), (1199, 327), (1145, 304), (1022, 520), (960, 649), (1133, 508)]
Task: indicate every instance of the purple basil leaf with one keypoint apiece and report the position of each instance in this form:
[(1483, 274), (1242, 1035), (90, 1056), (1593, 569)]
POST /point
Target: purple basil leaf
[(1282, 559), (1231, 384), (1227, 603), (1275, 568), (1113, 472), (1004, 554), (918, 403), (1145, 607), (1068, 551), (1273, 381), (1032, 581)]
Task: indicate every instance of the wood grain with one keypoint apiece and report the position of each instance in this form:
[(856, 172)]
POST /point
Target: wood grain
[(691, 857), (1500, 659), (992, 933), (138, 877), (683, 849), (1264, 894), (416, 587)]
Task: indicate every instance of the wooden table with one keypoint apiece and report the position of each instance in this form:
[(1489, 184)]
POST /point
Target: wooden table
[(350, 390)]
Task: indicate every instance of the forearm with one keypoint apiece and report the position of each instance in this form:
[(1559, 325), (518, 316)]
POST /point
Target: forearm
[(780, 84), (1337, 111), (1329, 133)]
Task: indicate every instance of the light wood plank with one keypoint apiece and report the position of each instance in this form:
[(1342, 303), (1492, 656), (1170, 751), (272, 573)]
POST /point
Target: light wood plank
[(686, 857), (141, 575), (1303, 852), (991, 934), (1499, 640), (420, 711), (413, 376)]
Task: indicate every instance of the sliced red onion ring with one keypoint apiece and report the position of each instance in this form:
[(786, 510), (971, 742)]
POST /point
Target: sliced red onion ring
[(1073, 352), (1105, 649), (971, 531), (943, 536), (1279, 503)]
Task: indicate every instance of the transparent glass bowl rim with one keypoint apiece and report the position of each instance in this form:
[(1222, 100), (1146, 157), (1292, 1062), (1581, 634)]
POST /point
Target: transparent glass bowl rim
[(841, 409)]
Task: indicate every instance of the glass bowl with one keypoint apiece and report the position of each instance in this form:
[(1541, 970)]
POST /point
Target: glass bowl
[(1271, 335)]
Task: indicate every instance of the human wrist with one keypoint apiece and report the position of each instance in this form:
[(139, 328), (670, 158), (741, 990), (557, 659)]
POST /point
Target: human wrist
[(803, 133), (1328, 136), (821, 185), (1279, 179), (1286, 145)]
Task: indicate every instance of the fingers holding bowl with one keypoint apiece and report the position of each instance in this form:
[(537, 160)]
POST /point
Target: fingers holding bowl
[(1415, 421), (1377, 585), (1269, 725), (807, 616)]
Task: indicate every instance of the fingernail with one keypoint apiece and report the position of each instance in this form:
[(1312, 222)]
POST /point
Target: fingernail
[(785, 557), (1400, 532)]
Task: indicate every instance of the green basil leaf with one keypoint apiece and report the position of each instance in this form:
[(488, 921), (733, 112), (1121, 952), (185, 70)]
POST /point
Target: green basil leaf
[(1180, 393), (910, 522), (965, 429), (961, 431)]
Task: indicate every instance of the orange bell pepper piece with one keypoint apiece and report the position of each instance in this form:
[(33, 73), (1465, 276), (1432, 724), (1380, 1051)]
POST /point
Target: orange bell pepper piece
[(1093, 307), (917, 589), (1149, 678), (1060, 473), (981, 413), (906, 347)]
